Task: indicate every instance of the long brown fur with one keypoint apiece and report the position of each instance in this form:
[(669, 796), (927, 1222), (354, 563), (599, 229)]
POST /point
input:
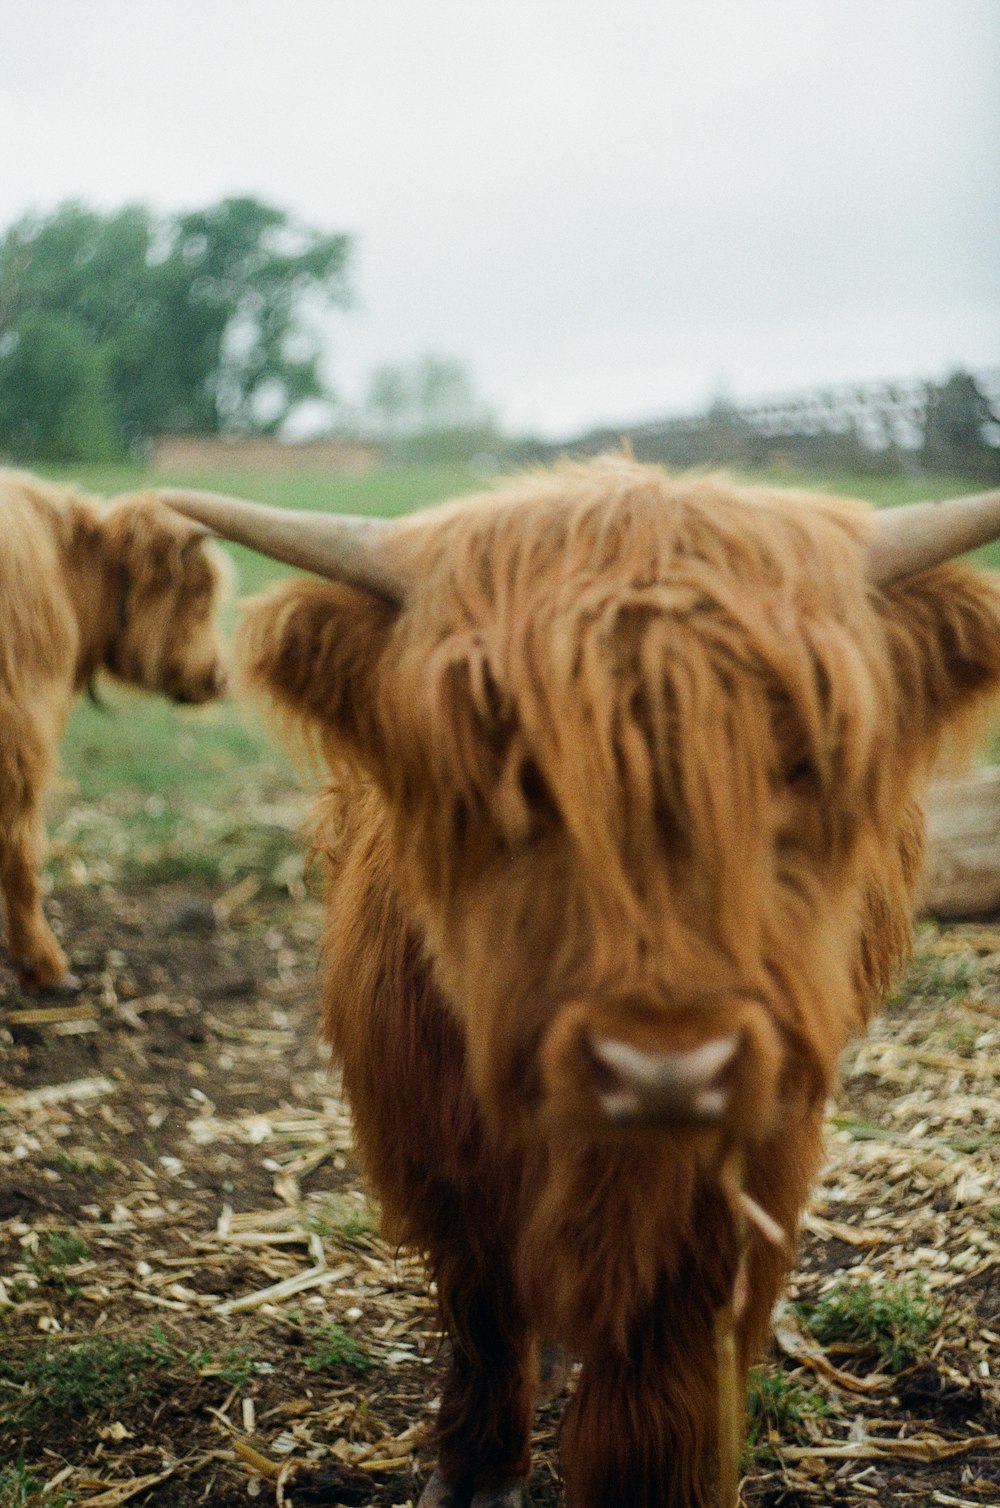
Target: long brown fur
[(127, 588), (639, 757)]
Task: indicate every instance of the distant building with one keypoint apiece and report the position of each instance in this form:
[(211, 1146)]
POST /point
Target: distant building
[(262, 453)]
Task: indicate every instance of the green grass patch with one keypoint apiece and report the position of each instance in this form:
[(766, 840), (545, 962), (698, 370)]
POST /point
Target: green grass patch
[(20, 1489), (149, 745), (50, 1263), (61, 1250), (778, 1409), (75, 1379), (346, 1219), (235, 1367), (84, 1161), (332, 1349), (892, 1322), (930, 976)]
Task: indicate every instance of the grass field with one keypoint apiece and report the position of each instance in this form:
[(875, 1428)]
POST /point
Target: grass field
[(181, 783)]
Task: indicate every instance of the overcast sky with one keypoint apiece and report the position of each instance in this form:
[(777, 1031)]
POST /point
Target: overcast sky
[(609, 209)]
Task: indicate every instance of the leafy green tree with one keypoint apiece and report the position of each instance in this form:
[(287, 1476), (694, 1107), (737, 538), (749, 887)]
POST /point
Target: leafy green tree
[(93, 273), (200, 323), (247, 278), (54, 402)]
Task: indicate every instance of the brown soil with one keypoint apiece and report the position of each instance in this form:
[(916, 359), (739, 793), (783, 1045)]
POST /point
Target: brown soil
[(172, 1144)]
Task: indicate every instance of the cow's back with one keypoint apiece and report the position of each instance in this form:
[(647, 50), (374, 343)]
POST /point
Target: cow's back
[(38, 626)]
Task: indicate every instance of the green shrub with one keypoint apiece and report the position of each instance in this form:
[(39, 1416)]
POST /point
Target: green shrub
[(892, 1321)]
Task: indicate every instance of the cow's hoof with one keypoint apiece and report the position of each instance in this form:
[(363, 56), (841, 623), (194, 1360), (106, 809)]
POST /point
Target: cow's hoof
[(554, 1367), (438, 1494), (41, 981), (66, 985), (512, 1494)]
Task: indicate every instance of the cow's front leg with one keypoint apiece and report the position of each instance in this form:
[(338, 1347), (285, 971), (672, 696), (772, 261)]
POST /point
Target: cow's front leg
[(484, 1424), (38, 958), (25, 765), (642, 1430)]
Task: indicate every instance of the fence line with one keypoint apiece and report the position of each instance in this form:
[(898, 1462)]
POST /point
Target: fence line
[(883, 421)]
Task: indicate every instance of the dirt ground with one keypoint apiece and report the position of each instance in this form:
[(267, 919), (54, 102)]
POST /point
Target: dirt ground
[(195, 1306)]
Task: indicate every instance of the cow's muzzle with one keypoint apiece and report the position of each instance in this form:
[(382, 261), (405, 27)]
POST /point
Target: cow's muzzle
[(637, 1086), (193, 690), (623, 1067)]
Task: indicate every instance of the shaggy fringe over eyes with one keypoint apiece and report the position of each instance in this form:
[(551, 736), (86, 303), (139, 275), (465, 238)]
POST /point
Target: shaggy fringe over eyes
[(677, 648), (599, 620)]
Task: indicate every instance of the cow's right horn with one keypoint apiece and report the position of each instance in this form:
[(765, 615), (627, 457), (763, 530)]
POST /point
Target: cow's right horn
[(341, 547), (917, 536)]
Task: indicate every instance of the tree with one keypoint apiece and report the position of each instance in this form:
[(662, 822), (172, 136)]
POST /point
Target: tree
[(54, 403), (427, 396), (960, 428), (247, 276), (198, 323), (389, 398)]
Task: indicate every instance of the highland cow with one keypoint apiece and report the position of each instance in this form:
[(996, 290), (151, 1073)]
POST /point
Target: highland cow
[(623, 841), (128, 588)]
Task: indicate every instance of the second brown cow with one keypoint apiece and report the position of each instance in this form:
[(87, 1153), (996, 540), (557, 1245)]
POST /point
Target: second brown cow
[(128, 588)]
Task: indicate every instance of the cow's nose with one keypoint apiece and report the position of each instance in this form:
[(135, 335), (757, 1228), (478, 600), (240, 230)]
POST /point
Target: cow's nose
[(624, 1064), (638, 1086)]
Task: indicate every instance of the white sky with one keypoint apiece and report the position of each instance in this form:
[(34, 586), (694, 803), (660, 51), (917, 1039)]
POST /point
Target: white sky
[(607, 210)]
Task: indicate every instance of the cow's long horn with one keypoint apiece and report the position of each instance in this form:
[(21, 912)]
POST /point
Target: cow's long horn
[(341, 547), (917, 536), (664, 1086)]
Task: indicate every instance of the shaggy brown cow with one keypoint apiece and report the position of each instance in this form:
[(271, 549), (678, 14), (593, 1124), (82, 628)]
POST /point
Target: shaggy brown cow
[(127, 588), (623, 843)]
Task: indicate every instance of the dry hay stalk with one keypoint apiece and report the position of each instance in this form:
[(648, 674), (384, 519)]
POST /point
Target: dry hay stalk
[(747, 1215)]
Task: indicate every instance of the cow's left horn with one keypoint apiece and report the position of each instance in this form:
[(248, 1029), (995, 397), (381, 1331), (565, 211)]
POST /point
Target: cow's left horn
[(341, 547), (917, 536)]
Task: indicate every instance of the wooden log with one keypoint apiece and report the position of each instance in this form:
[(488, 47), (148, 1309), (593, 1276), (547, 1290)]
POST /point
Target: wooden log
[(963, 845)]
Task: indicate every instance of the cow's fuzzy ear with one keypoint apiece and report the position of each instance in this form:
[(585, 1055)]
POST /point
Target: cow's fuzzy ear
[(313, 648), (943, 631)]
